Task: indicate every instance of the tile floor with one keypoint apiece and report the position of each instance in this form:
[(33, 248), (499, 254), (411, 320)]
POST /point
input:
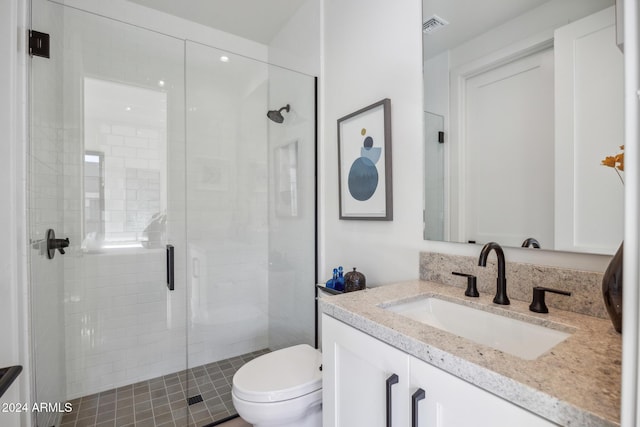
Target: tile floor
[(162, 402)]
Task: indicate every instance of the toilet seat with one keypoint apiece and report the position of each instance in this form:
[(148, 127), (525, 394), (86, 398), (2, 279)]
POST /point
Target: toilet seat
[(281, 375)]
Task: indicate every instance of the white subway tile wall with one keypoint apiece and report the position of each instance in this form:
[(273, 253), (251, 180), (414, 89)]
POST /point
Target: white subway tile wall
[(122, 324)]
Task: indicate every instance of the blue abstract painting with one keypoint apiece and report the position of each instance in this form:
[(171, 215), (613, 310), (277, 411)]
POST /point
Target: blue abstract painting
[(363, 141)]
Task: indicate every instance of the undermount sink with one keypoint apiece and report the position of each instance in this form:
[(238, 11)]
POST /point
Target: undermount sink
[(516, 337)]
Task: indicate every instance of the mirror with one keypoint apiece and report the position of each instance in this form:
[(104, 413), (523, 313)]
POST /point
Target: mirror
[(523, 100)]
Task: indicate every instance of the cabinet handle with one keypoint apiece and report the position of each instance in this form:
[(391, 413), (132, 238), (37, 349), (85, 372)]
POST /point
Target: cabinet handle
[(393, 379), (417, 397)]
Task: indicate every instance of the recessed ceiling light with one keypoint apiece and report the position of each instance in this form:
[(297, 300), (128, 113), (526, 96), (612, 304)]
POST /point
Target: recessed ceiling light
[(127, 108), (224, 58), (161, 83)]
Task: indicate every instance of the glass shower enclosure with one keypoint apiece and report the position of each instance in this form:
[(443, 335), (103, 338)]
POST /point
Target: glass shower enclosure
[(190, 217)]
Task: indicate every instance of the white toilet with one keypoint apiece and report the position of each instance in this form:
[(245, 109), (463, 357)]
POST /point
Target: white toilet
[(281, 389)]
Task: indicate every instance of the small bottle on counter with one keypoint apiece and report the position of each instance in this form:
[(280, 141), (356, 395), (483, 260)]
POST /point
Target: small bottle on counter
[(331, 283), (339, 284)]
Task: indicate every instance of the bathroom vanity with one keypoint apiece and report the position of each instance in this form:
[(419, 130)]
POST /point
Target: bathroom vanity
[(379, 362)]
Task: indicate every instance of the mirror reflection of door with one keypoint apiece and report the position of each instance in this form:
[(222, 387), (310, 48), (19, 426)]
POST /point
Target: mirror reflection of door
[(532, 72), (508, 123)]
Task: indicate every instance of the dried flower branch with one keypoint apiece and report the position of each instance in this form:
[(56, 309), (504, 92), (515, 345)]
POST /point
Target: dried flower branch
[(616, 162)]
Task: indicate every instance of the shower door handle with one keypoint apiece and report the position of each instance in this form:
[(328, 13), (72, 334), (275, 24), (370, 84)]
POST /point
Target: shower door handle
[(170, 268), (54, 244)]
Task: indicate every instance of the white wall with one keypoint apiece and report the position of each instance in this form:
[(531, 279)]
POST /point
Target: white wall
[(373, 50), (297, 44), (13, 328)]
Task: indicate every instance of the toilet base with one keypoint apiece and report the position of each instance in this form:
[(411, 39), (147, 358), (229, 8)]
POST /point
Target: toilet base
[(312, 419), (304, 411)]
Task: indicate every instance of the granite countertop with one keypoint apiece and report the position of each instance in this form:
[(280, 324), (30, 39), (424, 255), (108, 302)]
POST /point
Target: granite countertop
[(576, 383)]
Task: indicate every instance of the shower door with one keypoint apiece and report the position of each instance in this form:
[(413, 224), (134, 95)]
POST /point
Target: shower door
[(107, 171), (115, 168), (250, 217)]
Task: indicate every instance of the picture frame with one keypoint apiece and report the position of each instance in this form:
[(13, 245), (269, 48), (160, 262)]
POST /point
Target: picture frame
[(364, 163)]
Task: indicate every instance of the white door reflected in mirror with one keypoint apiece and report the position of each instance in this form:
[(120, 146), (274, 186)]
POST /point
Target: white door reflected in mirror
[(530, 106)]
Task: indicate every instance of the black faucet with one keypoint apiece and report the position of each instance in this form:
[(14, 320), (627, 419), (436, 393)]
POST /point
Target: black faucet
[(538, 305), (531, 242), (501, 291)]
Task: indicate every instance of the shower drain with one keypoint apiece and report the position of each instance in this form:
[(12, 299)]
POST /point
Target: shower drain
[(194, 399)]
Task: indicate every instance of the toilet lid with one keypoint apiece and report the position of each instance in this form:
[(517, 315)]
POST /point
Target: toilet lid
[(281, 375)]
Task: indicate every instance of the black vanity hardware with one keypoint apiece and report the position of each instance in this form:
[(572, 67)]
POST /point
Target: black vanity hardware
[(7, 376), (501, 289), (415, 398), (170, 268), (393, 379), (472, 288), (538, 305), (53, 244)]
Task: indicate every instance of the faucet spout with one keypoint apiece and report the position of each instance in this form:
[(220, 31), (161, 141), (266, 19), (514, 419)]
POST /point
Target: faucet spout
[(531, 242), (501, 288)]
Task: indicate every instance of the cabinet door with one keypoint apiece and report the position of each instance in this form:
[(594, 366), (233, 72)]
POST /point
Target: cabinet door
[(452, 402), (356, 368)]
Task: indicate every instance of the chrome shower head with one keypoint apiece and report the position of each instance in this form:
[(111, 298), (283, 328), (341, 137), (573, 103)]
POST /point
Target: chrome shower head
[(276, 115)]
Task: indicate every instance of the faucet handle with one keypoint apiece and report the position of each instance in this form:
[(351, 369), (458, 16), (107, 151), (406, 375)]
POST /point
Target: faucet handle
[(538, 305), (472, 289)]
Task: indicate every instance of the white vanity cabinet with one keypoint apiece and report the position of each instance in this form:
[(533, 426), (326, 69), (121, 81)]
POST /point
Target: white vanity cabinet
[(356, 368)]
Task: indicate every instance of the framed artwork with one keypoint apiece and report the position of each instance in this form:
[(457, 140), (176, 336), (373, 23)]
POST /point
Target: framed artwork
[(364, 163)]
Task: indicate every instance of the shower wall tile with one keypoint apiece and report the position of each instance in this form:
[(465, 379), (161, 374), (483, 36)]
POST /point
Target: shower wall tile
[(121, 328), (122, 324)]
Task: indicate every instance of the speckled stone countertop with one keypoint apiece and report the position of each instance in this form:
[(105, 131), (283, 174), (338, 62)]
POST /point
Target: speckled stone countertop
[(576, 383)]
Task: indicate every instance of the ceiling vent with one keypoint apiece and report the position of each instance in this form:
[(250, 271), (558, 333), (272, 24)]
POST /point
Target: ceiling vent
[(433, 24)]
